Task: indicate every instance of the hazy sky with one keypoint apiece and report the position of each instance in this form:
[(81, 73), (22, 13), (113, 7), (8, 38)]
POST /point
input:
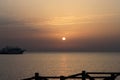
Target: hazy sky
[(40, 24)]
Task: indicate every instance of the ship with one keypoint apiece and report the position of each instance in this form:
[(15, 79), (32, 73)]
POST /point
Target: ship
[(12, 50)]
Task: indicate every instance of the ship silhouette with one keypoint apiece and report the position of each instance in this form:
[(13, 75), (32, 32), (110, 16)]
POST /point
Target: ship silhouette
[(12, 50)]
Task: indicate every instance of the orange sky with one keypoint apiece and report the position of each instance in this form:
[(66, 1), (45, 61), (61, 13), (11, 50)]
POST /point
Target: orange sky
[(82, 22)]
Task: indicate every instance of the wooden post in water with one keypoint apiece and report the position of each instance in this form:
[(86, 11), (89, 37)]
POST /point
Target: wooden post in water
[(113, 76), (62, 78), (36, 76), (83, 75)]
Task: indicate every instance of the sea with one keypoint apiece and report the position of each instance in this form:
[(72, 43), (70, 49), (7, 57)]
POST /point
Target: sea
[(18, 67)]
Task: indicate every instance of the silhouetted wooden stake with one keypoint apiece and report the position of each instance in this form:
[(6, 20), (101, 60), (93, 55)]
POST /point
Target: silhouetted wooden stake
[(62, 78), (83, 75), (113, 76), (37, 76)]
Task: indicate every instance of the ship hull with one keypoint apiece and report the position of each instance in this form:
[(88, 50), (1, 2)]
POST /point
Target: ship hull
[(12, 52), (21, 52)]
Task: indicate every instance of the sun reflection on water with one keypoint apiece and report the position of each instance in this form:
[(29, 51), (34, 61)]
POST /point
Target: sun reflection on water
[(63, 65)]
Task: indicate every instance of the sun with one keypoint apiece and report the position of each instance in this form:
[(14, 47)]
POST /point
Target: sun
[(63, 38)]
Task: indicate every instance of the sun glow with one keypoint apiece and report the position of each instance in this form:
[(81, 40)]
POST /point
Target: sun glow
[(63, 38)]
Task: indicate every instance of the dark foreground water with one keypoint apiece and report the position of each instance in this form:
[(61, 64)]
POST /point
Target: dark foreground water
[(16, 67)]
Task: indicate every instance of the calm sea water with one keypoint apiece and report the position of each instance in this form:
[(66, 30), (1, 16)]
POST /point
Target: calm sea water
[(16, 67)]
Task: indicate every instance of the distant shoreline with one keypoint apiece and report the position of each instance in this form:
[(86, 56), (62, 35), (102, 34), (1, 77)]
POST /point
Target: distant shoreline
[(72, 51)]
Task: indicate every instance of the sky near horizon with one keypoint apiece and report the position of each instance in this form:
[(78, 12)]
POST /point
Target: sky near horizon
[(41, 24)]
